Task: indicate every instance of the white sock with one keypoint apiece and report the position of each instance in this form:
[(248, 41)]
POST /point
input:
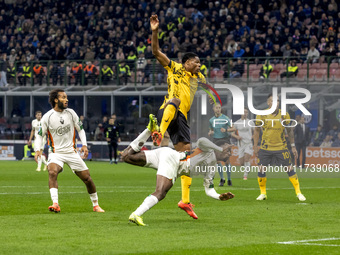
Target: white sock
[(148, 202), (54, 195), (39, 162), (246, 168), (139, 142), (43, 159), (94, 198)]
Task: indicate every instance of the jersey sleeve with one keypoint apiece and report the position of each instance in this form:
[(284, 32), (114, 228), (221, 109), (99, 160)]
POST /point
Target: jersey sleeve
[(77, 122), (287, 119), (79, 127)]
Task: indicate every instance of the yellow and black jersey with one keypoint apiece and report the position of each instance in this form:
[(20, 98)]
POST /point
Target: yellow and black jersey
[(182, 85), (273, 136)]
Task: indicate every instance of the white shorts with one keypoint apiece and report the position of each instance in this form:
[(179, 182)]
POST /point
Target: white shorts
[(44, 143), (245, 148), (165, 160), (72, 159)]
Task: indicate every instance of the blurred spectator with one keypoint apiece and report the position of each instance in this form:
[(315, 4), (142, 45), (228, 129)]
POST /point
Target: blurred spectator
[(313, 54), (238, 69), (238, 52), (292, 71), (25, 75), (106, 73), (327, 142), (336, 142), (318, 136), (90, 73), (123, 72), (85, 122), (333, 133), (265, 71), (76, 72), (11, 73), (3, 70), (141, 64), (54, 73), (39, 73)]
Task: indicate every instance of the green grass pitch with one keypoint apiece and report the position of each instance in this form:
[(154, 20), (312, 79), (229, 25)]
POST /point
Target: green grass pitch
[(239, 226)]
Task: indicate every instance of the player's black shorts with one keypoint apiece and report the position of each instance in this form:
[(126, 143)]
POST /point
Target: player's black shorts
[(278, 158), (178, 129)]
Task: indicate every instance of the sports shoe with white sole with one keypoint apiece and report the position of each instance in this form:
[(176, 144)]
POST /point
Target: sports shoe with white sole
[(301, 197), (262, 197), (138, 220)]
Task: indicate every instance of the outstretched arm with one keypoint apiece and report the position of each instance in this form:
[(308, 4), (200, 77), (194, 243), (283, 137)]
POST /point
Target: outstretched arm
[(160, 56)]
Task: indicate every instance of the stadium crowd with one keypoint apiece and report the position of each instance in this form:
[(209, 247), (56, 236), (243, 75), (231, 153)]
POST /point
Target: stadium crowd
[(109, 31)]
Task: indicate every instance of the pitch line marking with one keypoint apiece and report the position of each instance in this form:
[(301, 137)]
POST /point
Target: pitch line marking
[(307, 242)]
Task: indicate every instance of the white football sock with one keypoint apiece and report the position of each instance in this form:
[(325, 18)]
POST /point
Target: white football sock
[(149, 202), (54, 195), (39, 162), (43, 158), (139, 142), (246, 168), (94, 198)]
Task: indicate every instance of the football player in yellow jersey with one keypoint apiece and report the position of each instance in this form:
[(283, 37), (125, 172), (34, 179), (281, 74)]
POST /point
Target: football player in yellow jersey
[(183, 80), (273, 148)]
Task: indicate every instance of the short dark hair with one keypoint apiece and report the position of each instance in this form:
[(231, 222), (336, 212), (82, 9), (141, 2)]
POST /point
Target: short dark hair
[(54, 95), (38, 112), (270, 95), (188, 56)]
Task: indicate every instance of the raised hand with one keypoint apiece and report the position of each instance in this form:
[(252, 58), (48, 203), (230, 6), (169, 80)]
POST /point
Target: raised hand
[(154, 22)]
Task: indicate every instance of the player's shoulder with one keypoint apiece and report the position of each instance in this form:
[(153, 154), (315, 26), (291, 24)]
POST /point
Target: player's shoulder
[(225, 117), (70, 111), (47, 115), (173, 66)]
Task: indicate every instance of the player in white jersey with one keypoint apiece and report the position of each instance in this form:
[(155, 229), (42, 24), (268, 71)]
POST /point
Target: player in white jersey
[(171, 164), (60, 124), (245, 128), (34, 133)]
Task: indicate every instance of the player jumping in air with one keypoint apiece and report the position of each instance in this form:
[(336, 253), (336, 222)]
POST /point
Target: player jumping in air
[(170, 164), (60, 124), (274, 147), (183, 80)]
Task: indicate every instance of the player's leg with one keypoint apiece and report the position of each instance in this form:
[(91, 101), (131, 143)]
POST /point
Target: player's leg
[(246, 165), (53, 171), (220, 168), (283, 158), (91, 188), (229, 172), (115, 147), (265, 159), (109, 144), (169, 114), (163, 185), (185, 180)]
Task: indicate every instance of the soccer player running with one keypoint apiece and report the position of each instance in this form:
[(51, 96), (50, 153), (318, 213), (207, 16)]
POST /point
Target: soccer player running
[(183, 80), (273, 148), (170, 164), (36, 124), (244, 128), (219, 128), (60, 124)]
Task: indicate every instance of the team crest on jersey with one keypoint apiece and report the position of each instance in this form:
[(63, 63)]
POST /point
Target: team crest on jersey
[(61, 120)]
